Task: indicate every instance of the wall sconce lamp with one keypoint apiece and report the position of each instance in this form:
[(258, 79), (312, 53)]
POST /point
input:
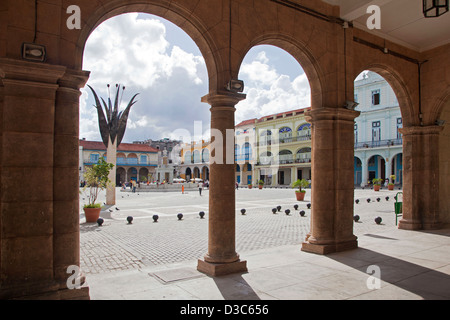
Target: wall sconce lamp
[(235, 86), (33, 52), (440, 122), (351, 105), (435, 8)]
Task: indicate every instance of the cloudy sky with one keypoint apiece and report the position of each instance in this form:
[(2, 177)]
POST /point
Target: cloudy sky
[(153, 57)]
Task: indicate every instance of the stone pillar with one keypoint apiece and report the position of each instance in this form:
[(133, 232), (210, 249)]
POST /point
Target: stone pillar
[(364, 171), (30, 180), (66, 210), (222, 257), (420, 178), (332, 181)]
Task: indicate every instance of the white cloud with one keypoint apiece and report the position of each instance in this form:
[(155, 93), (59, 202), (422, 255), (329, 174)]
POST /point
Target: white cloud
[(269, 92), (135, 52)]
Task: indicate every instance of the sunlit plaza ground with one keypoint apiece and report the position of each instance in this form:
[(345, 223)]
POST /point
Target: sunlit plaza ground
[(157, 260)]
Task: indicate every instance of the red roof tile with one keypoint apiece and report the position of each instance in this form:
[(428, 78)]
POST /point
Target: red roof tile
[(125, 147)]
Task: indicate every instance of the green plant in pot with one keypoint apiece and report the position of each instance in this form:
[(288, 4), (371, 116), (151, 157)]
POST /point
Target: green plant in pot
[(260, 184), (391, 183), (96, 178), (377, 184), (300, 194)]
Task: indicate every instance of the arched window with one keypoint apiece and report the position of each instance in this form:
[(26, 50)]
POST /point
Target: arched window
[(237, 152), (285, 156), (285, 133), (205, 155), (265, 138), (303, 155), (247, 151), (304, 132), (196, 155), (265, 158), (188, 157)]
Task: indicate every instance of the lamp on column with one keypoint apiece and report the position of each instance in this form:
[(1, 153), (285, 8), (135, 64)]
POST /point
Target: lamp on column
[(33, 52), (235, 86), (351, 105), (435, 8)]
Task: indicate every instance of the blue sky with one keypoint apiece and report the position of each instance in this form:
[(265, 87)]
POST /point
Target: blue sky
[(158, 60)]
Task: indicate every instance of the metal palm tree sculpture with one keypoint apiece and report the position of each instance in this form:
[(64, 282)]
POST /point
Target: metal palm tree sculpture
[(112, 129), (112, 125)]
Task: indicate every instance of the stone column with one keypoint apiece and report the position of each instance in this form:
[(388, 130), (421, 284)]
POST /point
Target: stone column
[(66, 208), (420, 178), (332, 181), (364, 171), (27, 185), (222, 257)]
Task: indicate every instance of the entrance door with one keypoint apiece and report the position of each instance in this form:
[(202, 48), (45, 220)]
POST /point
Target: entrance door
[(280, 177)]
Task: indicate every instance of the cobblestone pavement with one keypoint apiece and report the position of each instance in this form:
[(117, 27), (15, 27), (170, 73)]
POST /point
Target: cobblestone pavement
[(117, 245)]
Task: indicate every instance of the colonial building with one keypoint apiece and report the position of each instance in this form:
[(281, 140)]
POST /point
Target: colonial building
[(134, 161), (245, 152), (194, 160), (283, 144), (378, 141)]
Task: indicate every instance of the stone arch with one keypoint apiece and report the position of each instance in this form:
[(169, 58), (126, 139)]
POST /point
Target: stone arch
[(399, 87), (176, 14), (301, 54)]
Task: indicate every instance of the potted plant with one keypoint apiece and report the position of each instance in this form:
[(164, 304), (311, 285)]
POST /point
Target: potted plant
[(250, 186), (391, 184), (96, 178), (376, 184), (260, 184), (300, 194)]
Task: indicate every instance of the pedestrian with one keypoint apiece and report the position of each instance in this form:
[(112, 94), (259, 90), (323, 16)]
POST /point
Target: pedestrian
[(200, 188), (237, 186), (133, 183), (182, 189)]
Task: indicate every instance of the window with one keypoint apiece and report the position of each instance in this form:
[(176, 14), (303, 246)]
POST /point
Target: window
[(356, 133), (94, 158), (376, 97), (399, 126), (143, 159), (376, 131)]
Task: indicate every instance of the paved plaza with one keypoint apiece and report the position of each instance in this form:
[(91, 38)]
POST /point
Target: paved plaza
[(157, 260)]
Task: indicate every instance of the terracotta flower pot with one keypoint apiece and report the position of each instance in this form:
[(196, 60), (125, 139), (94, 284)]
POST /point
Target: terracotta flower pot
[(300, 195), (376, 188), (260, 186), (390, 187), (249, 186), (92, 214)]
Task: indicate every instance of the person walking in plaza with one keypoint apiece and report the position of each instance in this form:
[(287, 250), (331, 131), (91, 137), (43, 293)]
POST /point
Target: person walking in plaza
[(200, 188), (134, 185)]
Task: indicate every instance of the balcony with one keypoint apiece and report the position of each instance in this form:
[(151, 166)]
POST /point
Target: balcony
[(379, 144), (268, 161), (284, 140), (125, 162)]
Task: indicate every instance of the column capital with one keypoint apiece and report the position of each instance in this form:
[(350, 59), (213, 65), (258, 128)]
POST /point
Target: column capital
[(223, 98), (421, 130), (14, 69), (74, 79), (320, 114)]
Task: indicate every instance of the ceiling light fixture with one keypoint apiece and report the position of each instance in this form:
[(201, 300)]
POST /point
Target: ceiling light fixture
[(435, 8)]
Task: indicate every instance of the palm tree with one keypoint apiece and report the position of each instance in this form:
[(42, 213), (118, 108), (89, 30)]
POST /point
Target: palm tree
[(112, 129)]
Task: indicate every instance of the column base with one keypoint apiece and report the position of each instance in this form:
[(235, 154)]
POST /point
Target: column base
[(324, 249), (221, 269), (18, 293), (406, 224)]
